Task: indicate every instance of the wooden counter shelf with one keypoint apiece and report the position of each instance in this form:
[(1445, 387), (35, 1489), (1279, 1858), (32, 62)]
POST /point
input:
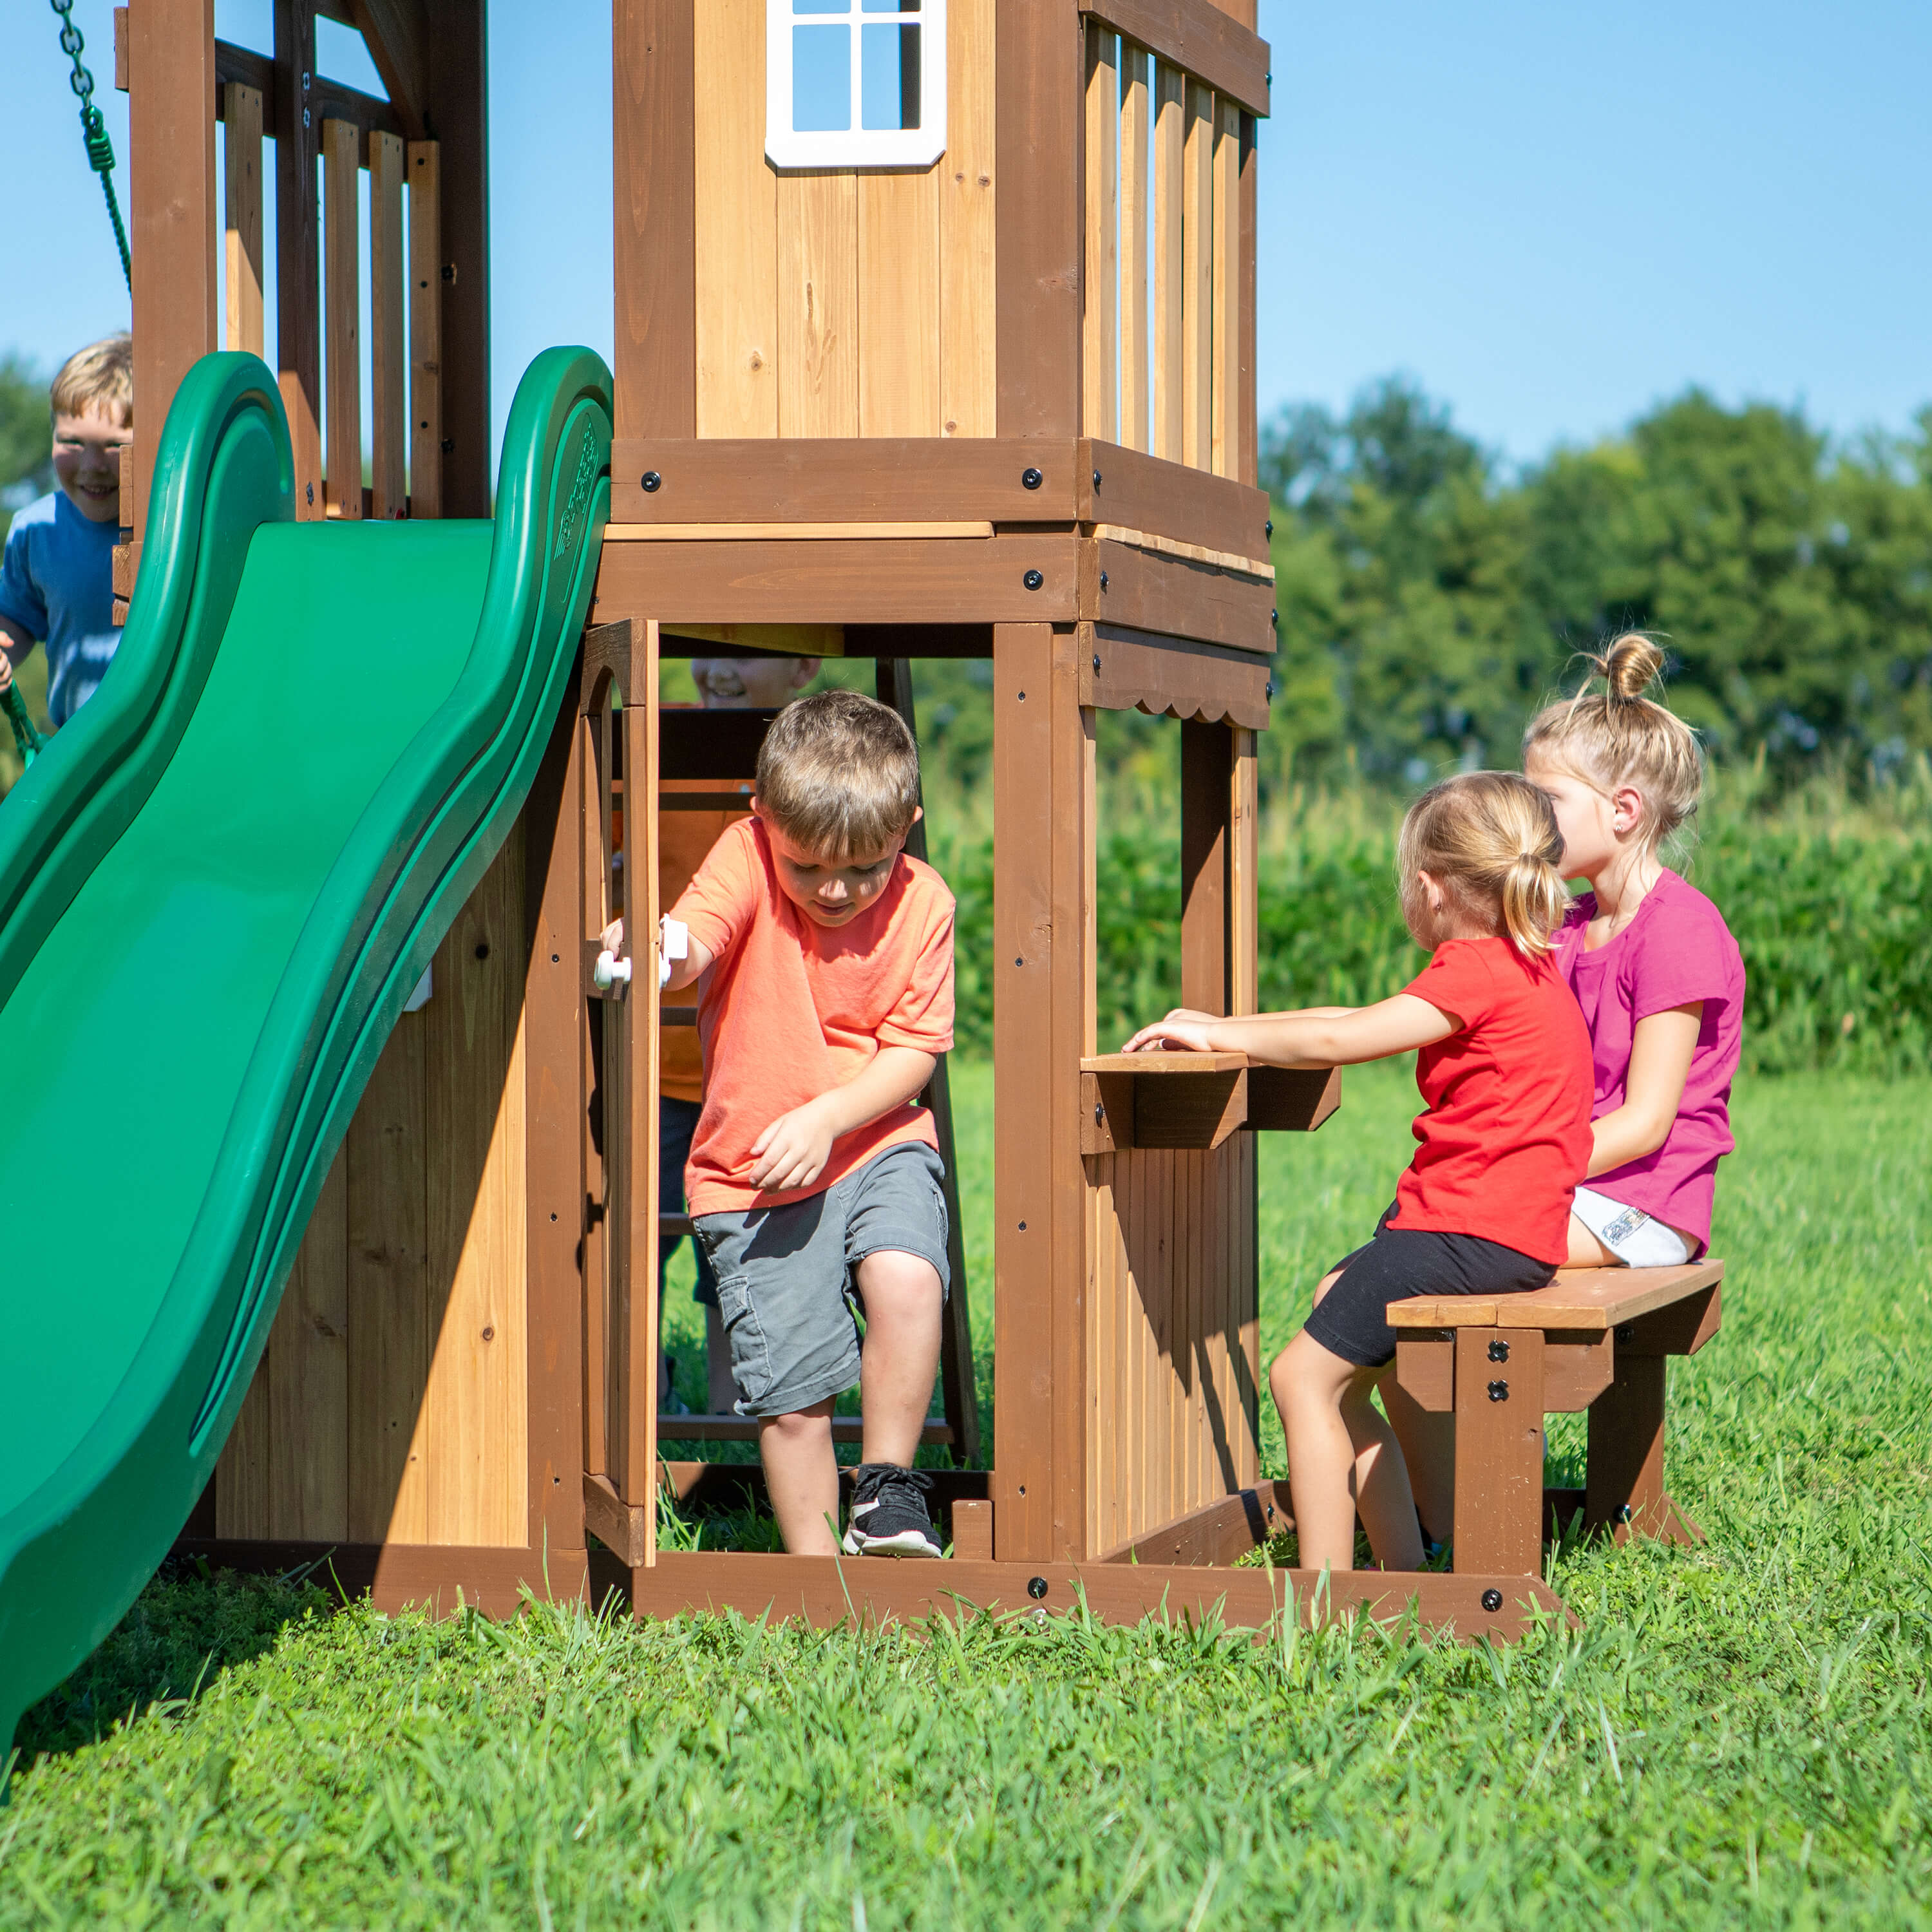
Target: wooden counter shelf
[(1196, 1099)]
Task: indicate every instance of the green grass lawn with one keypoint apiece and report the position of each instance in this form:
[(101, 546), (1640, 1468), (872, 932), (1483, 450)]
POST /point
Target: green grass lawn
[(1739, 1733)]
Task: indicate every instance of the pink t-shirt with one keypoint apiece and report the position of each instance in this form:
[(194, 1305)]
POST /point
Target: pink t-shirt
[(1678, 948)]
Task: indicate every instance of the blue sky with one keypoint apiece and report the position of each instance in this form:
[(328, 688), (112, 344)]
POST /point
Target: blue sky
[(1551, 215)]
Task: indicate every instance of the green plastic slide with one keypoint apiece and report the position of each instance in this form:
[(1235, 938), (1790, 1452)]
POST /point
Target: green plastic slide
[(218, 885)]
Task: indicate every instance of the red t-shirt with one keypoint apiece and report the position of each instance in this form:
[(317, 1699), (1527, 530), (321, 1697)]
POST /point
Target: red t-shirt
[(1507, 1137)]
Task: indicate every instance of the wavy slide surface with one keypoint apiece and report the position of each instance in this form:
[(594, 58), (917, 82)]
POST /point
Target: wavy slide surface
[(218, 888)]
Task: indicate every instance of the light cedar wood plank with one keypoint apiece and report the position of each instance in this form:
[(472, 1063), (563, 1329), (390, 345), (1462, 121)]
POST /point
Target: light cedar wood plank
[(388, 365), (1246, 467), (1244, 877), (342, 333), (1226, 271), (1135, 205), (1199, 38), (242, 229), (171, 209), (1198, 273), (241, 1489), (391, 1316), (592, 1046), (642, 741), (1099, 367), (654, 193), (425, 165), (308, 1377), (1169, 263), (898, 304), (818, 304), (1586, 1301), (1190, 1237), (737, 248), (969, 396), (473, 1427)]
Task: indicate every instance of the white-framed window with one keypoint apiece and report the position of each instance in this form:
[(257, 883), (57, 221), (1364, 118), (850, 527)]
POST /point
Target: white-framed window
[(855, 83)]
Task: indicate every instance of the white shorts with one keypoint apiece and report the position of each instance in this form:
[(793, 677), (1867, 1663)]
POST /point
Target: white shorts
[(1629, 1233)]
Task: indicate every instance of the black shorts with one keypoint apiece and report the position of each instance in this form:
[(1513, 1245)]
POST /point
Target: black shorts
[(1398, 1265)]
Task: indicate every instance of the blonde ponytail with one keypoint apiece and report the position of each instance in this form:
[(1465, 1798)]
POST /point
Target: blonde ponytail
[(1489, 839), (1619, 737)]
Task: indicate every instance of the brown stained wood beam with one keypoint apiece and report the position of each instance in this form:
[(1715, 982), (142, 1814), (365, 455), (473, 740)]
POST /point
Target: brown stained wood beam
[(329, 100), (1144, 590), (1582, 1300), (1198, 36), (1122, 670), (397, 33), (1115, 484), (1040, 129), (1215, 1533), (173, 204)]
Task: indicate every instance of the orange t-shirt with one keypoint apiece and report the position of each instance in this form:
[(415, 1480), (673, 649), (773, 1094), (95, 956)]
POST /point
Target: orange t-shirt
[(790, 1010), (1507, 1136)]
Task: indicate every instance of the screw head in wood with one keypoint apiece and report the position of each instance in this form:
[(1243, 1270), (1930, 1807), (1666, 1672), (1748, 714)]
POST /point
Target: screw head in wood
[(1625, 1332), (1499, 1391), (653, 482), (1033, 579), (1096, 479), (1624, 1512), (1036, 1588), (1100, 1113), (1103, 580), (1096, 660), (1499, 1351), (482, 948), (1031, 479), (1274, 618), (1492, 1601)]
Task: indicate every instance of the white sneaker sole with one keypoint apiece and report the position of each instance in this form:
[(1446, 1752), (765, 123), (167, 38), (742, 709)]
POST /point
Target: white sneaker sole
[(907, 1543)]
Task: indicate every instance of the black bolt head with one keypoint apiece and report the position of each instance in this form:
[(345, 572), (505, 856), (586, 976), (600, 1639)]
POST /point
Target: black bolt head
[(1623, 1512), (1274, 618), (1103, 580), (1268, 528), (1036, 1588), (1033, 579), (1031, 478), (1499, 1391), (1096, 660), (653, 482), (1625, 1332), (1100, 1113), (1499, 1351), (1492, 1601), (1096, 479)]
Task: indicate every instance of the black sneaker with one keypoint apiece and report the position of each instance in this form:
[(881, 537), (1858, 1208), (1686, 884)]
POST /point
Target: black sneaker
[(890, 1517)]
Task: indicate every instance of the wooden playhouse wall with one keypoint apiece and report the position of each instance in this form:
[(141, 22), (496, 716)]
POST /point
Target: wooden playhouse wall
[(832, 303), (391, 1404)]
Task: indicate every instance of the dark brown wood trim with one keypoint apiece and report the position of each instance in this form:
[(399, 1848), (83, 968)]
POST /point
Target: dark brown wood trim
[(826, 1591), (1140, 492), (1040, 121), (1145, 590), (553, 1087), (329, 100), (1198, 36), (1217, 1532), (918, 580), (1207, 804), (441, 1578), (1123, 670), (397, 34), (654, 196)]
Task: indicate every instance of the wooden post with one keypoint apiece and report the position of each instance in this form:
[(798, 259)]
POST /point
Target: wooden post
[(425, 167), (1246, 434), (171, 139), (1498, 1501), (653, 166), (1042, 843), (458, 111), (241, 112), (342, 332), (958, 1391), (1624, 1482), (297, 270), (388, 366)]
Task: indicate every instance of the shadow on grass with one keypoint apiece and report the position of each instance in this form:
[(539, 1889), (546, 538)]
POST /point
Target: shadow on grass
[(189, 1625)]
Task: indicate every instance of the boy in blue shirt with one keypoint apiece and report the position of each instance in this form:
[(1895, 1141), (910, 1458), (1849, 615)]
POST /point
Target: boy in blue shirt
[(57, 576)]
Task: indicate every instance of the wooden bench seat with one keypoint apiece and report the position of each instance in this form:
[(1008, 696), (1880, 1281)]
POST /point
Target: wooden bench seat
[(1595, 1340)]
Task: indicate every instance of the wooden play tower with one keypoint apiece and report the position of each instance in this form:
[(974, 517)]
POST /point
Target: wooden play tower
[(968, 373)]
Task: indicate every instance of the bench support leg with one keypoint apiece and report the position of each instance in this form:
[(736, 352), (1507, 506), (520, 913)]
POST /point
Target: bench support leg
[(1625, 1492), (1498, 1452)]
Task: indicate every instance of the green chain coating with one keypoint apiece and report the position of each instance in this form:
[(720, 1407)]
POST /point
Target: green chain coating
[(94, 132), (26, 738)]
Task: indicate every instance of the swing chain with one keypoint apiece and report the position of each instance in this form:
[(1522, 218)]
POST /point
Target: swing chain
[(93, 128)]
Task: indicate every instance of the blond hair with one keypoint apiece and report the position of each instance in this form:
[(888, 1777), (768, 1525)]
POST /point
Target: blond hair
[(1490, 840), (1618, 737), (838, 775), (100, 376)]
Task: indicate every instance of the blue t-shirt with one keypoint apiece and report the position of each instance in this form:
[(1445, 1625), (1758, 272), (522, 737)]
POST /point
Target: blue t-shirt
[(57, 583)]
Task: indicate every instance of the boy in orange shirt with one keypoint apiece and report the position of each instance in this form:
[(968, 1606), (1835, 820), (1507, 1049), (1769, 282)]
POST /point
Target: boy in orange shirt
[(825, 955)]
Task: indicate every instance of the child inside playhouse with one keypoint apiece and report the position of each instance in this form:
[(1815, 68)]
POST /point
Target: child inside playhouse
[(1503, 1062), (57, 575), (1650, 960), (824, 957)]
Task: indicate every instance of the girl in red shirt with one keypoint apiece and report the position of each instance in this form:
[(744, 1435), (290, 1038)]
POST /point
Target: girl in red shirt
[(1503, 1061)]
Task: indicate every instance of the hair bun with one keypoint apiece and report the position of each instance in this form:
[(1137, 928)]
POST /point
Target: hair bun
[(1630, 666)]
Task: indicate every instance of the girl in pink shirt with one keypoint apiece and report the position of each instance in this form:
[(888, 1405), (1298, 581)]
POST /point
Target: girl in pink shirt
[(1652, 964)]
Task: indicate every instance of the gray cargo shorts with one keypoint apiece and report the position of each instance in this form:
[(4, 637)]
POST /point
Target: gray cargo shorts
[(787, 1276)]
